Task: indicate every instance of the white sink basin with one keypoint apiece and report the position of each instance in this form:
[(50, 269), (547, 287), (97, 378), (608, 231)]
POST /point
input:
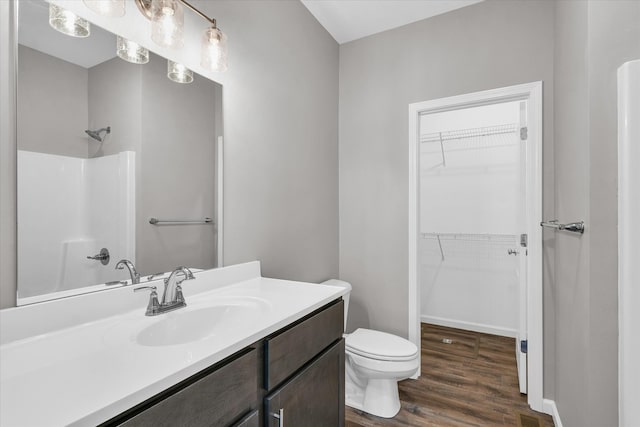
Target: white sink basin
[(201, 321)]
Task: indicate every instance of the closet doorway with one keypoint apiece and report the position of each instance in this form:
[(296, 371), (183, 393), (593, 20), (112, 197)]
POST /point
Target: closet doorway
[(475, 206)]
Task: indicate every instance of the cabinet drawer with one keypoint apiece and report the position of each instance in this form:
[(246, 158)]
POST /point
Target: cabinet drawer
[(219, 398), (288, 351), (314, 397)]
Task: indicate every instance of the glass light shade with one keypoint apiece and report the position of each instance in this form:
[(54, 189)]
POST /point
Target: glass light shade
[(178, 72), (213, 55), (111, 8), (68, 22), (131, 51), (167, 23)]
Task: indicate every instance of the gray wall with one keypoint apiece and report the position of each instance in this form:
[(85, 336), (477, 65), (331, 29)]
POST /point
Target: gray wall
[(570, 295), (52, 107), (593, 40), (115, 99), (177, 170), (479, 47), (281, 139)]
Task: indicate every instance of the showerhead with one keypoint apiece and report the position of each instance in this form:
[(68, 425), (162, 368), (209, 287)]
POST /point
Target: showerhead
[(95, 134)]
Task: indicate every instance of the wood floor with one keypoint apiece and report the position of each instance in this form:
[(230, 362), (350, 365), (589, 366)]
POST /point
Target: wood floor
[(472, 381)]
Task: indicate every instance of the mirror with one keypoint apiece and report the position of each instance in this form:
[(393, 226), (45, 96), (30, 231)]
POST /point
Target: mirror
[(104, 146)]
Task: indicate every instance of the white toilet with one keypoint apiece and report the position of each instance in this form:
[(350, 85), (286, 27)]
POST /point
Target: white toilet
[(375, 362)]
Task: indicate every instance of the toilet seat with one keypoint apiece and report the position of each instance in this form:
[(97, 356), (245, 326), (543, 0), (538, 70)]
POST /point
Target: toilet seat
[(380, 346)]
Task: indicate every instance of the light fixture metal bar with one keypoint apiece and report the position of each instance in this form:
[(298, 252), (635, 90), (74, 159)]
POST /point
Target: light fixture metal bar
[(194, 9), (145, 8)]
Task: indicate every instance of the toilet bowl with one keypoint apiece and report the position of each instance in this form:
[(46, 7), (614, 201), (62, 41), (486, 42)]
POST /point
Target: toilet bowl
[(375, 362)]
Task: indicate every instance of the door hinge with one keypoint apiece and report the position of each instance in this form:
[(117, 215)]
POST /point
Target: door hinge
[(524, 240), (524, 133), (523, 346)]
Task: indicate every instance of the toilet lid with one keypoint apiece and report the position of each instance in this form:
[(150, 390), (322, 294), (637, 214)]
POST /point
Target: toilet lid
[(380, 345)]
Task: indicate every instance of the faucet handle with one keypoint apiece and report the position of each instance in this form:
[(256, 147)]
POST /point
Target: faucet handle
[(188, 274), (154, 305), (179, 296)]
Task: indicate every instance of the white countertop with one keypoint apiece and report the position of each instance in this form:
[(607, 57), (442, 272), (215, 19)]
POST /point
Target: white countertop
[(85, 374)]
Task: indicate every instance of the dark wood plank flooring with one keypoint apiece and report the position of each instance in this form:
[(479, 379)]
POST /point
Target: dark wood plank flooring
[(471, 382)]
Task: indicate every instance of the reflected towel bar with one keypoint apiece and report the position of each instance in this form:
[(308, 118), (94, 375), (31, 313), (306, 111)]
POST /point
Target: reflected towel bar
[(156, 221), (576, 227)]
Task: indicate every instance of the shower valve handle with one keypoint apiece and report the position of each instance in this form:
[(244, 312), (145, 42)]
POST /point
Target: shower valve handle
[(103, 256)]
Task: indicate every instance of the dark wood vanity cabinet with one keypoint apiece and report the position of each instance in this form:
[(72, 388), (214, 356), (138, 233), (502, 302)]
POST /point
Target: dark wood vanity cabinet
[(296, 374)]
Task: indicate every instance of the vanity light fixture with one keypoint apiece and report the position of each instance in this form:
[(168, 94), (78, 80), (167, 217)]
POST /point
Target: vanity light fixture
[(111, 8), (67, 22), (178, 72), (167, 22), (131, 51)]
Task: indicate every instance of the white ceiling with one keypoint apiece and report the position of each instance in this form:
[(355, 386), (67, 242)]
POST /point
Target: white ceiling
[(34, 32), (348, 20)]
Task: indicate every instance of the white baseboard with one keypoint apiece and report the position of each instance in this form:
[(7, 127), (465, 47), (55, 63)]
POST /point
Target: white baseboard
[(549, 407), (470, 326)]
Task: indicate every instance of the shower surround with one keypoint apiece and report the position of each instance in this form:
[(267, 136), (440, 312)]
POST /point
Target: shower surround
[(66, 210)]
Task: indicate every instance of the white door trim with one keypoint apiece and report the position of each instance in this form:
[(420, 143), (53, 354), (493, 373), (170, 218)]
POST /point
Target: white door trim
[(532, 92)]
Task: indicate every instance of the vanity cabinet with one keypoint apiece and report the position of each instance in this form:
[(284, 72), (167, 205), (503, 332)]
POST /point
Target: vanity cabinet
[(220, 395), (296, 373)]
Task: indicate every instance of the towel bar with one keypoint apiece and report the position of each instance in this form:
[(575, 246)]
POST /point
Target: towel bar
[(156, 221)]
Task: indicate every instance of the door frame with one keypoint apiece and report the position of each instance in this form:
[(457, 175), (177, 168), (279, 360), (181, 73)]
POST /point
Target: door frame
[(532, 92)]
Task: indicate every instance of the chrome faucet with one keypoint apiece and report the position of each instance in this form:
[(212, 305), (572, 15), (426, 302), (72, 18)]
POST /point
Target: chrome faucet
[(135, 276), (172, 298), (172, 289)]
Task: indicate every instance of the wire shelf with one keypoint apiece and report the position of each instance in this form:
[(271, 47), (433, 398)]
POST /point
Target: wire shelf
[(473, 138), (480, 237), (477, 246)]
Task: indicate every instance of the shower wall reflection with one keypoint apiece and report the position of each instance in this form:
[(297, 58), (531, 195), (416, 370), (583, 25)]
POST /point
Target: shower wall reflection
[(90, 202)]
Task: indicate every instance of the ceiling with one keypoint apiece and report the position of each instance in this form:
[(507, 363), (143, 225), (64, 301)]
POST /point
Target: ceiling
[(348, 20)]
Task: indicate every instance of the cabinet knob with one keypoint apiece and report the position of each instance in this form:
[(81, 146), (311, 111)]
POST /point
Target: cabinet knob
[(280, 417)]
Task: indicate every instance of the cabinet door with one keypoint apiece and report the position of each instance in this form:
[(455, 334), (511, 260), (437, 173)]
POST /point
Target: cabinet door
[(312, 398), (219, 398)]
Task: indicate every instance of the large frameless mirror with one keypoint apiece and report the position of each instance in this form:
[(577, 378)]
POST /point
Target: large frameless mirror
[(118, 151)]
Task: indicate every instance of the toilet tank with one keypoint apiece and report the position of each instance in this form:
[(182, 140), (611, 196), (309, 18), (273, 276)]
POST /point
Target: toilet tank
[(345, 297)]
